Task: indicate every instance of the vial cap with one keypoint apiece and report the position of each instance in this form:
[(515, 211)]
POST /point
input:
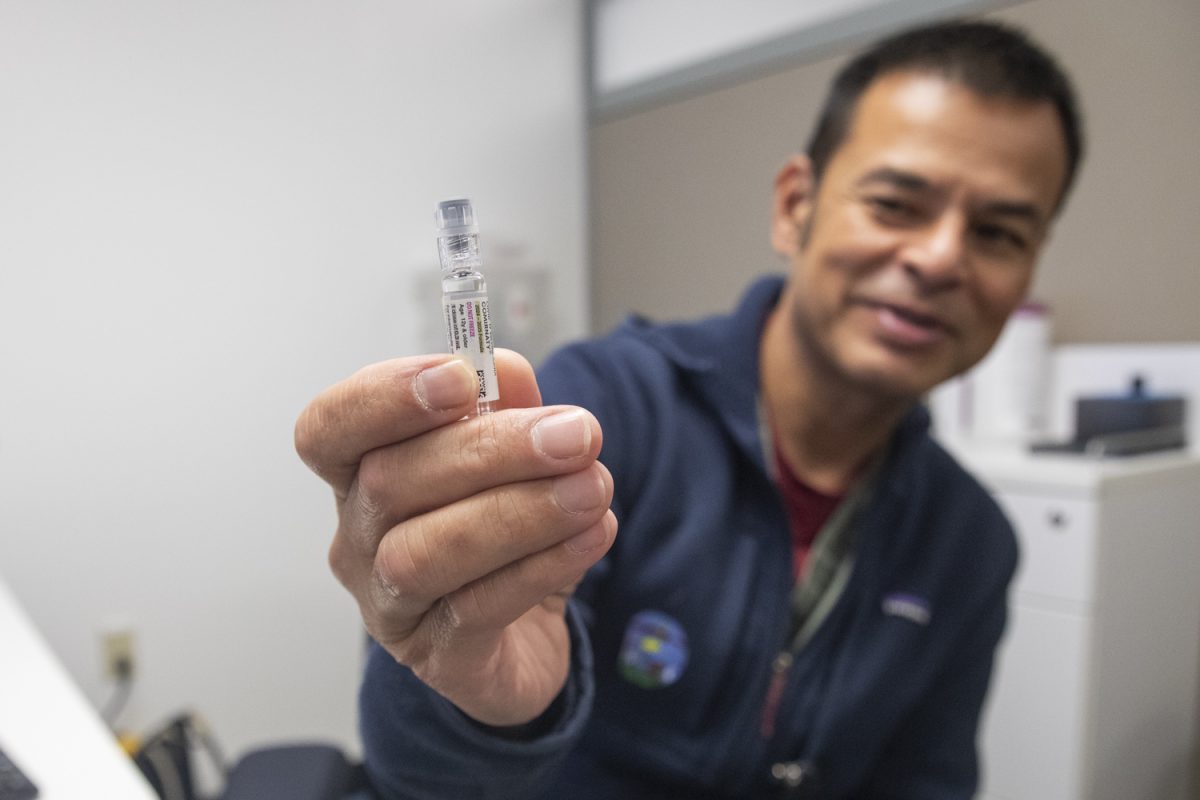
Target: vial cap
[(456, 217)]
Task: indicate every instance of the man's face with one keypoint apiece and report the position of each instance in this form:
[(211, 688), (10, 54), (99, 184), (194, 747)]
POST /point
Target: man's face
[(923, 231)]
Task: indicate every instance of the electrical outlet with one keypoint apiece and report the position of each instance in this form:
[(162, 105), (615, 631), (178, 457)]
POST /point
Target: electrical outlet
[(117, 651)]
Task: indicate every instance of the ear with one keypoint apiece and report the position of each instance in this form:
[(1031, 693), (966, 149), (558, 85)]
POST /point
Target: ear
[(792, 204)]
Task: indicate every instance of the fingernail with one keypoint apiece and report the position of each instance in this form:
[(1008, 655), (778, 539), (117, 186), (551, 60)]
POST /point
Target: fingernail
[(590, 539), (563, 435), (445, 386), (582, 491)]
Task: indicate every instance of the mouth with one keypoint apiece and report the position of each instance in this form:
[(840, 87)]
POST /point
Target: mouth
[(923, 318), (907, 325)]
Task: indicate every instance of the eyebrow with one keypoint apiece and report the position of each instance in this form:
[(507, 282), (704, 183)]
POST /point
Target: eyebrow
[(911, 181), (1011, 208), (896, 177)]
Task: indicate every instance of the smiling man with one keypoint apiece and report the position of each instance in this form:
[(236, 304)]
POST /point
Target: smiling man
[(909, 255), (807, 592)]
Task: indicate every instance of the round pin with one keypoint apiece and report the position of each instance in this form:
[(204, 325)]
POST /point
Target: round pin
[(654, 652)]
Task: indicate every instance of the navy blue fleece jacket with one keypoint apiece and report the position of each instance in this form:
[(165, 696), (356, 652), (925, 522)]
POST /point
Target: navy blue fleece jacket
[(674, 633)]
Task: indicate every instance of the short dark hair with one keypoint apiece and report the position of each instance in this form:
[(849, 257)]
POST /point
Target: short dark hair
[(990, 58)]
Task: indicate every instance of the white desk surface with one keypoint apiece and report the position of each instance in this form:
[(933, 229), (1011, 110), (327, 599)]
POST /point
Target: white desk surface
[(47, 725), (1012, 466)]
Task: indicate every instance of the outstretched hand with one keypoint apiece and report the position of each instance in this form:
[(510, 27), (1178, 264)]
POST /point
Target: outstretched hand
[(461, 539)]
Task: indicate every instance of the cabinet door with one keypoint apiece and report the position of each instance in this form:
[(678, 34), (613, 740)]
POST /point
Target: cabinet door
[(1031, 740)]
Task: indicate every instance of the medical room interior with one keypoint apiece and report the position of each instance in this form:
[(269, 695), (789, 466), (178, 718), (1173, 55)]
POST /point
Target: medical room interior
[(209, 212)]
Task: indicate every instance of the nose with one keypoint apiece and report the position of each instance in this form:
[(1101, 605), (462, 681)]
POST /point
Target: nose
[(935, 254)]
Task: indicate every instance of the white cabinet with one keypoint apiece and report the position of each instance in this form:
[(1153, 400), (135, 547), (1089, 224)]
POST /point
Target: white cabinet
[(1095, 691)]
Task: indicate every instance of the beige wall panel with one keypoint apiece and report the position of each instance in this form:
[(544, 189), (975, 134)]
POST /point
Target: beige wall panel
[(681, 193)]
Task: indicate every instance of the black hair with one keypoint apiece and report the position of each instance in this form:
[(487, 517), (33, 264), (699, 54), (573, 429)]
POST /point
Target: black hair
[(990, 58)]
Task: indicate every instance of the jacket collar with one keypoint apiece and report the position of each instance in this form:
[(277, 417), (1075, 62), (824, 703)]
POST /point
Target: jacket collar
[(720, 354)]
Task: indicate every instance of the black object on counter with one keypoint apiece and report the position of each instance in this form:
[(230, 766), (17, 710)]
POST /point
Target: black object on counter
[(1122, 425)]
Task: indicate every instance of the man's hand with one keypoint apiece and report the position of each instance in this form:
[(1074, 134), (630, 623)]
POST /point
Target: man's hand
[(462, 539)]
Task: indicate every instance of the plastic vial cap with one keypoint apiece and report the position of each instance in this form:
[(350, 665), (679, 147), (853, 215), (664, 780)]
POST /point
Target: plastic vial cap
[(456, 217)]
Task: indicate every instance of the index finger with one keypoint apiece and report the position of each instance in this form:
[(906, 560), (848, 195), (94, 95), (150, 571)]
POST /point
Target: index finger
[(395, 400)]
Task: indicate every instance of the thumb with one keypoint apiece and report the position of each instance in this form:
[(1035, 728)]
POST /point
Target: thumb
[(517, 382)]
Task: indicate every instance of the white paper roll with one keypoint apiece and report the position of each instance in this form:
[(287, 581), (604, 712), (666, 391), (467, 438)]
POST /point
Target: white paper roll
[(1009, 389)]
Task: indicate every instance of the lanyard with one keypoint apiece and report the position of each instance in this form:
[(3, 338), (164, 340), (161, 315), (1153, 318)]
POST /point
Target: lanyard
[(829, 564), (831, 558)]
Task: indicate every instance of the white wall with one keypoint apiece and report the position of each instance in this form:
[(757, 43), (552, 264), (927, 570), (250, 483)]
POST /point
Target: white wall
[(208, 212), (646, 52), (636, 40)]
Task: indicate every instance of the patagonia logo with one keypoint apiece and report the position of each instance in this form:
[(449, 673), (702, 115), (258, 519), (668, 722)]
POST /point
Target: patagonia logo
[(654, 652), (908, 606)]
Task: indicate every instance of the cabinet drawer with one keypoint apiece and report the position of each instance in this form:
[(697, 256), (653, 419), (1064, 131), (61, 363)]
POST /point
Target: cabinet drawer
[(1058, 544)]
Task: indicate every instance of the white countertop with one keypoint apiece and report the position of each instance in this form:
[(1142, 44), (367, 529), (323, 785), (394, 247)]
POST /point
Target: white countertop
[(47, 726), (1010, 466)]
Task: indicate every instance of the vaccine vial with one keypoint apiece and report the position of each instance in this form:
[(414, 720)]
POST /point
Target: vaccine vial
[(464, 295)]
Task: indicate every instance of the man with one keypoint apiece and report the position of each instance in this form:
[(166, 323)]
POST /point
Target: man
[(807, 592)]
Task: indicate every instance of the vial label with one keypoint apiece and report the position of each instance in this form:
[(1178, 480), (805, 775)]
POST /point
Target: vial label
[(469, 334)]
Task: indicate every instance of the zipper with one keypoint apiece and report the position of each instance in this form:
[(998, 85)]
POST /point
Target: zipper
[(781, 667)]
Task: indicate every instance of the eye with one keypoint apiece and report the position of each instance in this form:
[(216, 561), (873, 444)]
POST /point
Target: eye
[(891, 209), (1000, 236)]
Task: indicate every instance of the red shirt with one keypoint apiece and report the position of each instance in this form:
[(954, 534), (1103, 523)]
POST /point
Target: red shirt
[(807, 510)]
